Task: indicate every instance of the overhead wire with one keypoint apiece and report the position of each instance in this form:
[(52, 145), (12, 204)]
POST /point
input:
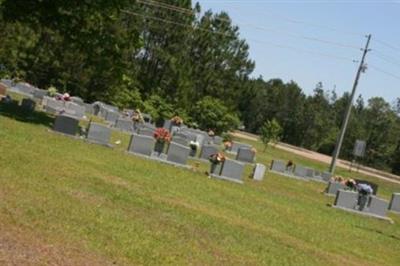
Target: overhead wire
[(257, 41), (279, 31), (384, 71), (384, 57)]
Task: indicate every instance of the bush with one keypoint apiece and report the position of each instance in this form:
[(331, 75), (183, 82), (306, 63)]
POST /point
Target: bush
[(210, 113)]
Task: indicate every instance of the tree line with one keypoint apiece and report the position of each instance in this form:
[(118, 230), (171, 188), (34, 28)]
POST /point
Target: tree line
[(172, 62)]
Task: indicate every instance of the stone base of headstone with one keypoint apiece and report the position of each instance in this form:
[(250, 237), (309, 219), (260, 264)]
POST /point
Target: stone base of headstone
[(368, 214), (226, 178)]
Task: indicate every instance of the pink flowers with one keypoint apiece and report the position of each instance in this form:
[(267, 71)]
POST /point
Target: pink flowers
[(162, 135)]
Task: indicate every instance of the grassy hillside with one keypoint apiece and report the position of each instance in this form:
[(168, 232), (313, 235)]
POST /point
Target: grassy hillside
[(64, 201)]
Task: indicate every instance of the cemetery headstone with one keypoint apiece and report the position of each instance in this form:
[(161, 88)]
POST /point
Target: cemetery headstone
[(259, 171), (39, 94), (74, 109), (140, 144), (124, 124), (334, 187), (77, 100), (112, 116), (395, 202), (309, 172), (245, 154), (236, 145), (28, 104), (278, 166), (99, 134), (89, 108), (232, 170), (178, 153), (377, 206), (180, 140), (217, 140), (207, 151), (146, 132), (346, 199), (300, 171), (66, 124)]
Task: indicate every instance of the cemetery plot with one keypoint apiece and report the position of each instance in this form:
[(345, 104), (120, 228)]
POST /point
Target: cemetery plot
[(362, 204), (259, 172), (231, 170), (245, 154), (141, 145), (99, 134), (66, 124), (394, 205)]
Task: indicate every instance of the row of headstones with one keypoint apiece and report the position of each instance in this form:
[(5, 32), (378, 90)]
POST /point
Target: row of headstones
[(299, 171), (54, 106), (333, 187), (348, 199), (143, 145)]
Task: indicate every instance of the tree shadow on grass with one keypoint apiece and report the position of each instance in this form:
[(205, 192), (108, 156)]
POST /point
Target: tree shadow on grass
[(16, 112)]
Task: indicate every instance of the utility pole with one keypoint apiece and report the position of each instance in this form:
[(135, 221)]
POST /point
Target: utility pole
[(339, 142)]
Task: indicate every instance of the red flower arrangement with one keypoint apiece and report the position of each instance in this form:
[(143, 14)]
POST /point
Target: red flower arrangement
[(162, 135)]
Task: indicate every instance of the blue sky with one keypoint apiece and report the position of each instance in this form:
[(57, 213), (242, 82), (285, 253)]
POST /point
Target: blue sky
[(342, 22)]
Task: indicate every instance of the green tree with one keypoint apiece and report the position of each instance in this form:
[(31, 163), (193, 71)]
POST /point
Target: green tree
[(211, 113), (270, 132)]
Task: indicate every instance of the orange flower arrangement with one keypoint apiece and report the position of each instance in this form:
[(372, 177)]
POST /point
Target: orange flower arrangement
[(177, 120), (217, 158)]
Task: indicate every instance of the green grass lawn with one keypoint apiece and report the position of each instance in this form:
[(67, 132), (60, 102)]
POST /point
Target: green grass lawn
[(98, 205)]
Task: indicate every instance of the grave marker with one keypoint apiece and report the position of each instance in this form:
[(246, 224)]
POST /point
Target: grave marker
[(142, 145), (66, 124), (99, 134)]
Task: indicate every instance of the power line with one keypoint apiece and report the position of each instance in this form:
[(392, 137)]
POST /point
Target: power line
[(384, 57), (291, 34), (257, 41), (384, 72), (397, 49)]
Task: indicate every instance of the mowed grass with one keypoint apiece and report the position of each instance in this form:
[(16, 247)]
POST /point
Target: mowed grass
[(103, 206)]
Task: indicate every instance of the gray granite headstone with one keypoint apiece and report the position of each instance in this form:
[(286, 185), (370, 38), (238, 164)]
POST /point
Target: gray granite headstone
[(89, 108), (178, 153), (245, 154), (180, 140), (28, 104), (208, 150), (141, 144), (278, 166), (66, 124), (39, 94), (326, 176), (232, 169), (346, 199), (99, 134), (77, 100), (259, 172), (112, 116), (217, 140), (377, 206), (300, 171), (309, 172), (168, 125), (25, 88), (53, 104), (124, 124), (395, 202), (236, 145), (333, 187), (146, 132), (74, 109)]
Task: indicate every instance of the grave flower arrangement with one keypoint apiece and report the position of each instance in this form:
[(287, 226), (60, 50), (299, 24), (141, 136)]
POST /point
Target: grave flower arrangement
[(228, 145), (162, 135), (254, 151), (177, 120), (217, 158)]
